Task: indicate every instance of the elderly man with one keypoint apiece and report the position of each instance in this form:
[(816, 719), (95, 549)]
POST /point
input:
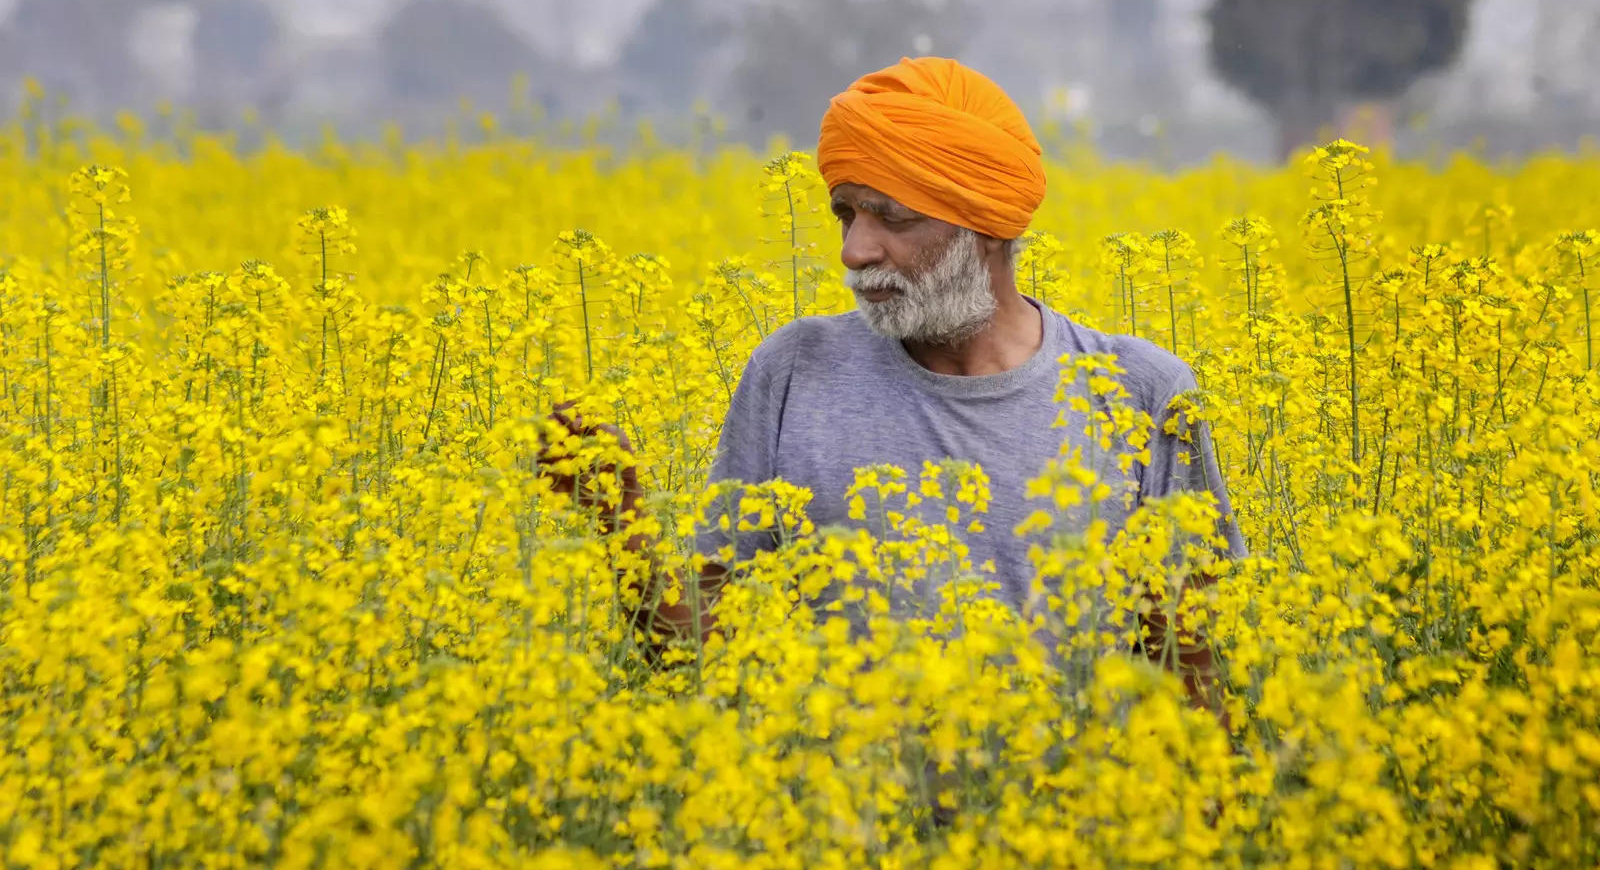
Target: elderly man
[(934, 174)]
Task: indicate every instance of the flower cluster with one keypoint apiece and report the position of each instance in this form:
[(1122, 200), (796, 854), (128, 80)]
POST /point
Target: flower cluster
[(285, 578)]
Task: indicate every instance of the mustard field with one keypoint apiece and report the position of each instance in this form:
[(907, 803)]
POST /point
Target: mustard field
[(283, 584)]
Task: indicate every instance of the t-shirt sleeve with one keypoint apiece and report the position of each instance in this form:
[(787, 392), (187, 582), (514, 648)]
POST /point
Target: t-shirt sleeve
[(747, 448), (1185, 460)]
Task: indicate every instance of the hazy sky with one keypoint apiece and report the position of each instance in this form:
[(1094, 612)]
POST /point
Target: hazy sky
[(1524, 73), (585, 31)]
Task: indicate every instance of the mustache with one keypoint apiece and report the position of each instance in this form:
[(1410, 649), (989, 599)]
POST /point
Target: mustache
[(875, 278)]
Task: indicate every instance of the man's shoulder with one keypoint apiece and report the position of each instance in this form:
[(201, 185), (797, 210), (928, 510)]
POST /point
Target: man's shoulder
[(813, 337), (1152, 374)]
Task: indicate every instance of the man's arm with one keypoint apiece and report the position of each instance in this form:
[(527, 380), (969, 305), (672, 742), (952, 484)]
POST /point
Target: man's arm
[(746, 450), (1184, 459), (1185, 652), (676, 621), (690, 616), (654, 616)]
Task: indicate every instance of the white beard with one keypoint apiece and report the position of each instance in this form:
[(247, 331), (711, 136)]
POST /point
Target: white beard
[(945, 305)]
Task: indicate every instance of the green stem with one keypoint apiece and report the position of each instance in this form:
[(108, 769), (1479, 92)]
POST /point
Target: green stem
[(322, 291), (1172, 297), (1342, 246), (105, 286), (116, 441), (438, 380), (588, 346), (794, 250), (1588, 324)]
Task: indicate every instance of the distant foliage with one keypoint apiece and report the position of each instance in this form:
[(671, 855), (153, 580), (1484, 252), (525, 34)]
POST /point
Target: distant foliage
[(1304, 61), (799, 53), (438, 51)]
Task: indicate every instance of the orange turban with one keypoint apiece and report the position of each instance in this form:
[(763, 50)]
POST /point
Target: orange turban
[(941, 139)]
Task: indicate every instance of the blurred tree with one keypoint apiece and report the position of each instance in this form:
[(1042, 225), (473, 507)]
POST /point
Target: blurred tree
[(75, 48), (1307, 61), (234, 37), (1566, 64), (799, 53), (1139, 54), (662, 62), (437, 51), (236, 45)]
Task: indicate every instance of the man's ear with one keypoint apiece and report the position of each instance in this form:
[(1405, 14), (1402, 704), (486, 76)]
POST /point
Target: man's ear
[(993, 250)]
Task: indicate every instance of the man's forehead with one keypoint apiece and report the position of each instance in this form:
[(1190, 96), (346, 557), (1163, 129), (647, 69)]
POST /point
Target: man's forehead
[(860, 195)]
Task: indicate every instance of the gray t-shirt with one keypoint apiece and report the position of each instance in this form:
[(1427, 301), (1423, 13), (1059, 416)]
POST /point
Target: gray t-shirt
[(823, 396)]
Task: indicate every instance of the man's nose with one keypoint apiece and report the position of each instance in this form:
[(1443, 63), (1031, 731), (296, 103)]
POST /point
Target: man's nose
[(862, 247)]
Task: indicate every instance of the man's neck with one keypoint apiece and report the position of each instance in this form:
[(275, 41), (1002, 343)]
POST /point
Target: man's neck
[(1011, 338)]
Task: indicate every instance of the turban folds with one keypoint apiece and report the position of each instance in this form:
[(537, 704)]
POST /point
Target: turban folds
[(941, 139)]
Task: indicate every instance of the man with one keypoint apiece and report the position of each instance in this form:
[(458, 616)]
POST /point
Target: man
[(934, 174)]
